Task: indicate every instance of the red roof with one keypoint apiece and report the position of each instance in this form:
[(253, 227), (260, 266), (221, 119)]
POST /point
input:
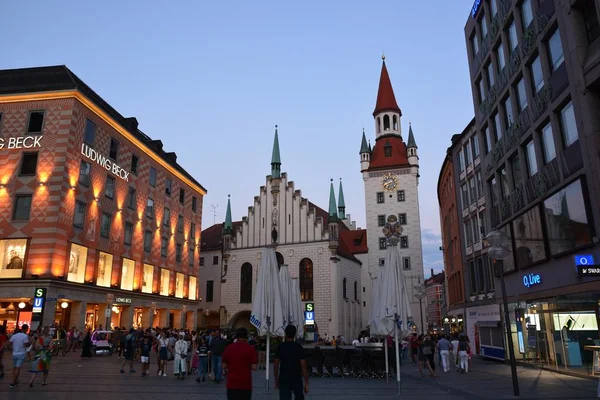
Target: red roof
[(386, 101), (212, 237), (355, 242), (398, 157)]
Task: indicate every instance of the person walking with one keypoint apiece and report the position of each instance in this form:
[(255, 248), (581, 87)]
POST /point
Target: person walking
[(202, 352), (454, 344), (86, 349), (239, 360), (217, 348), (463, 354), (19, 342), (43, 354), (180, 350), (163, 353), (290, 367), (445, 346), (129, 352), (145, 348)]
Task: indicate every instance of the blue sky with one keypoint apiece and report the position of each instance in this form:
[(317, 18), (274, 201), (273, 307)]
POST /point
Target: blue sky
[(211, 79)]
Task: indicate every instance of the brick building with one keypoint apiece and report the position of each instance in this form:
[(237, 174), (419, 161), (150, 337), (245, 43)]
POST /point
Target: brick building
[(435, 293), (451, 245), (91, 210)]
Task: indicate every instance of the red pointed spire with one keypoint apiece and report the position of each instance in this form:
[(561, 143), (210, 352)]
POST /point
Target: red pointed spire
[(386, 101)]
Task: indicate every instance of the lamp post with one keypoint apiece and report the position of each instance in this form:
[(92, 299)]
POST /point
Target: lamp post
[(109, 300), (420, 294), (498, 252)]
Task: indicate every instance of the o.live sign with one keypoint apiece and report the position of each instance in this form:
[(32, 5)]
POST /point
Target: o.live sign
[(99, 159)]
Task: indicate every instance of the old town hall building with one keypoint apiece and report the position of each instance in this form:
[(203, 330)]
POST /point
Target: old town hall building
[(334, 261)]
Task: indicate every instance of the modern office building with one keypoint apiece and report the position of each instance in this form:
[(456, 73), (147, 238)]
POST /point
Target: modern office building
[(481, 315), (535, 79), (98, 223)]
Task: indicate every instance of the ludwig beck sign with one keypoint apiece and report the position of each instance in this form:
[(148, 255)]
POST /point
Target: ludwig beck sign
[(104, 161)]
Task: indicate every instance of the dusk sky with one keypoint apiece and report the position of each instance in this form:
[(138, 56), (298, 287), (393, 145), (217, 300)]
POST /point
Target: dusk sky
[(212, 79)]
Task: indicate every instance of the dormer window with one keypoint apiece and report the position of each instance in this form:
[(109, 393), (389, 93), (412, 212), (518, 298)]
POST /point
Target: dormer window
[(387, 149)]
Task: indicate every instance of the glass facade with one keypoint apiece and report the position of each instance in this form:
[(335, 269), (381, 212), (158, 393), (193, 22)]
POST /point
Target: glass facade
[(556, 332)]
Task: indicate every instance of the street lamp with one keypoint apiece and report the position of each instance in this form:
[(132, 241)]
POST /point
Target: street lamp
[(499, 251), (420, 294), (109, 300)]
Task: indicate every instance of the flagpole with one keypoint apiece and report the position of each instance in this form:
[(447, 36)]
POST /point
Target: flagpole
[(397, 354), (267, 356)]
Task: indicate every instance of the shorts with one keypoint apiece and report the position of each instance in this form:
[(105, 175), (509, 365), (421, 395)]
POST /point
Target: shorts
[(163, 354), (145, 360), (18, 360)]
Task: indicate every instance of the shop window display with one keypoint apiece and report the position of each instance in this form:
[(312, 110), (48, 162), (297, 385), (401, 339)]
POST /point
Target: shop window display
[(164, 282), (77, 261), (147, 278), (192, 288), (127, 273), (12, 252), (179, 280), (105, 262)]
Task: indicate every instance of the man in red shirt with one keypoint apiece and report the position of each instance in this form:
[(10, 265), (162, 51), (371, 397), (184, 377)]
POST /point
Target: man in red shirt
[(239, 360)]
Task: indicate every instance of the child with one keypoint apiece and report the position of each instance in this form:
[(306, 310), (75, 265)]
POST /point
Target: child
[(202, 351), (145, 348)]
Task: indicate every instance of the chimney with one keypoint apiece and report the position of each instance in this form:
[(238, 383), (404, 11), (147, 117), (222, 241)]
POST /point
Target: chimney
[(432, 272), (132, 123)]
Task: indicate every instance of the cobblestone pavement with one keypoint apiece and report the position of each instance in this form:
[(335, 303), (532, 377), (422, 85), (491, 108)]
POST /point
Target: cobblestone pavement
[(99, 379)]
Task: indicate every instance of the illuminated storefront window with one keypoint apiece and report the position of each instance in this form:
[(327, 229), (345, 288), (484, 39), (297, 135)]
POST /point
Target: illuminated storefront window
[(77, 261), (127, 274), (179, 280), (105, 262), (192, 288), (12, 252), (147, 278), (164, 282)]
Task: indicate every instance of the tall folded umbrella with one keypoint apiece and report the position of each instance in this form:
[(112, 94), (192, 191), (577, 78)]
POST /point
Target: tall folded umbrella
[(267, 314), (394, 309), (376, 327), (287, 302), (298, 308)]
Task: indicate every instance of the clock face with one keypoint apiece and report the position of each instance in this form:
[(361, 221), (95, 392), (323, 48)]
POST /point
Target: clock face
[(389, 182)]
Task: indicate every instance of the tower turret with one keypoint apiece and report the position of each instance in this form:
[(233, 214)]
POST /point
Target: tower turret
[(333, 222), (341, 203), (227, 226), (275, 157), (365, 153), (387, 113), (411, 150)]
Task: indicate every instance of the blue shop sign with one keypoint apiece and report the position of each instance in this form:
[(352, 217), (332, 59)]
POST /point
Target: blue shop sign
[(475, 8), (584, 259), (532, 280)]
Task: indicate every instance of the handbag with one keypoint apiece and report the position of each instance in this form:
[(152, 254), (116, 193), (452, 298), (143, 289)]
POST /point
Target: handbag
[(426, 350)]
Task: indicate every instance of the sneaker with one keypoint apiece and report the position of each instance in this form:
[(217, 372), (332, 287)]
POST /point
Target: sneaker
[(122, 371), (12, 385), (165, 375), (131, 371)]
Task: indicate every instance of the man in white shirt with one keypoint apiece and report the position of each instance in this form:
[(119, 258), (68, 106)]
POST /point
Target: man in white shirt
[(181, 350), (20, 343)]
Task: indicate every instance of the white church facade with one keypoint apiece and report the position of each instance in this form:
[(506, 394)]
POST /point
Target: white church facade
[(334, 262)]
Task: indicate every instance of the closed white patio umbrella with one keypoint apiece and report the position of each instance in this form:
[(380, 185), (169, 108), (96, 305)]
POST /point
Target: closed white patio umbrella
[(394, 308), (267, 314)]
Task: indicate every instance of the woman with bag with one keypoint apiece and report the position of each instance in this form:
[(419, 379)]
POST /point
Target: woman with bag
[(426, 351), (42, 350)]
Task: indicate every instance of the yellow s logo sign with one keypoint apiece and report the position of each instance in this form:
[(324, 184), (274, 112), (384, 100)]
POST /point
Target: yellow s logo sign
[(39, 292), (309, 307)]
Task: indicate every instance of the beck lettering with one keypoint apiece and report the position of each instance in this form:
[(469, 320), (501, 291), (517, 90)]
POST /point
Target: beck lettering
[(103, 161), (22, 142)]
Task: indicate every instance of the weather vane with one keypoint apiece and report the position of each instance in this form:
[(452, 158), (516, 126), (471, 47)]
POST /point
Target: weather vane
[(392, 231)]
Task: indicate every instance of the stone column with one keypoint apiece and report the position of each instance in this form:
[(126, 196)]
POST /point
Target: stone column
[(192, 320), (127, 317), (48, 314), (102, 316), (148, 317), (177, 319), (163, 317), (78, 311)]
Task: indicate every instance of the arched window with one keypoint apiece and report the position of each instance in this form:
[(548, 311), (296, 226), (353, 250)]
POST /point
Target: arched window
[(280, 260), (378, 124), (306, 279), (395, 121), (356, 290), (246, 283), (386, 122), (344, 292)]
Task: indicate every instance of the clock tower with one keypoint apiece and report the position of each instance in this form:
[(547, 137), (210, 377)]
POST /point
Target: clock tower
[(391, 174)]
